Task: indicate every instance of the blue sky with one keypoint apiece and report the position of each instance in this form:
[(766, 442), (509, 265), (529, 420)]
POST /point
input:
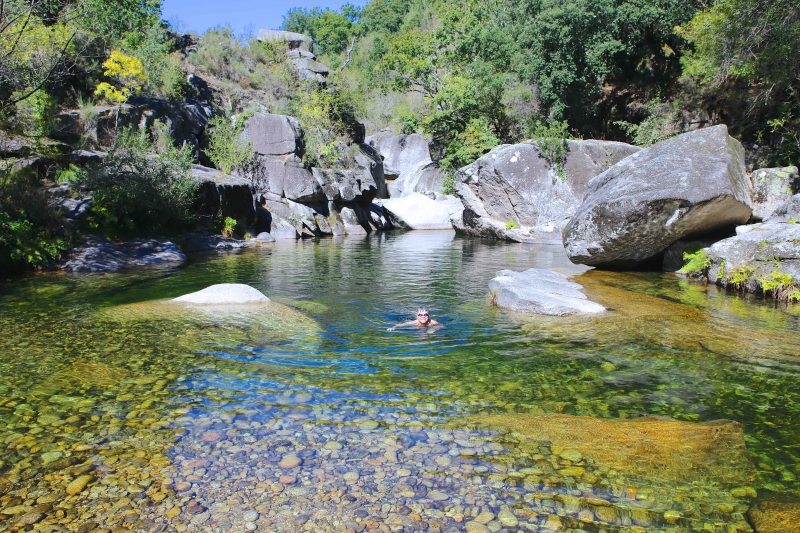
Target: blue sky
[(199, 15)]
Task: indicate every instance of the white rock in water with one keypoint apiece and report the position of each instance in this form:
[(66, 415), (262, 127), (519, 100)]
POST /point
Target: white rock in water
[(224, 293), (542, 292), (417, 211)]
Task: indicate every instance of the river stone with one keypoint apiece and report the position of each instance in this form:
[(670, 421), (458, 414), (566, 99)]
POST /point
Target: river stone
[(476, 527), (688, 185), (516, 183), (650, 447), (290, 461), (77, 485), (224, 293), (99, 255), (771, 188), (507, 518), (542, 292), (417, 211)]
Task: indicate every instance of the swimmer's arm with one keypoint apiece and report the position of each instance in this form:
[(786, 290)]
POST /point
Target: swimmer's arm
[(404, 324)]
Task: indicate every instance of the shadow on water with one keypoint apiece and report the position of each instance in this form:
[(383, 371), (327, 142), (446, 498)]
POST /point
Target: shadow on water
[(118, 412)]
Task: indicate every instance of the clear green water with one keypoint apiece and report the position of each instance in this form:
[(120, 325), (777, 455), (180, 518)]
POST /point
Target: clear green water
[(181, 419)]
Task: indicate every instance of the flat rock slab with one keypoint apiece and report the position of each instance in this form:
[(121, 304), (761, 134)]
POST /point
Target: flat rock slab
[(541, 292), (417, 211), (99, 255), (652, 447), (224, 293)]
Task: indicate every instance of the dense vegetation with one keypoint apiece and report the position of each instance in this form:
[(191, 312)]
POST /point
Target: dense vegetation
[(469, 74), (472, 74)]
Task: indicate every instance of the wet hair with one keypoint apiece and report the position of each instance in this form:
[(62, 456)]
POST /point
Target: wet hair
[(421, 309)]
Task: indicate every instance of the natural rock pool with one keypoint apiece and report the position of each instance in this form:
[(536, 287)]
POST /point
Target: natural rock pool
[(116, 415)]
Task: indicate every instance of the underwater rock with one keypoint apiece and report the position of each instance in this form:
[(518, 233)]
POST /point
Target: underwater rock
[(542, 292), (776, 513), (651, 447), (224, 293)]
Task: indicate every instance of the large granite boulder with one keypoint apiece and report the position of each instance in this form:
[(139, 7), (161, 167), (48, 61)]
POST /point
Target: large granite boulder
[(223, 195), (788, 211), (224, 293), (541, 292), (417, 211), (407, 163), (688, 185), (515, 193), (771, 188), (293, 40), (96, 254), (274, 135)]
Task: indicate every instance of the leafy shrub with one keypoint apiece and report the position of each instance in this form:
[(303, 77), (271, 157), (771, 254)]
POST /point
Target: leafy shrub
[(163, 72), (552, 141), (408, 123), (327, 118), (469, 145), (31, 233), (229, 227), (697, 261), (512, 225), (449, 183), (128, 72), (781, 286), (139, 193), (739, 276), (661, 123), (225, 148)]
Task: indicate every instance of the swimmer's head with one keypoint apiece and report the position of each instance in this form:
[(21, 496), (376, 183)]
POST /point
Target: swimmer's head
[(423, 316)]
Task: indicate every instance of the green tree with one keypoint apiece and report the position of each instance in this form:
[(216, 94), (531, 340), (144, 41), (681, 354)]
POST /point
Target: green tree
[(748, 51)]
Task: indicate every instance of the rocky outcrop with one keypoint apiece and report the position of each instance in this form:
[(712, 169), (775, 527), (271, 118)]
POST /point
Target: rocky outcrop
[(686, 186), (308, 202), (186, 121), (417, 211), (541, 292), (771, 188), (515, 193), (73, 202), (775, 513), (763, 257), (299, 51), (223, 195), (99, 255), (407, 163), (224, 293)]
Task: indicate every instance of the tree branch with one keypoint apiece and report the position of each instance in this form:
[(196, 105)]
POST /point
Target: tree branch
[(39, 85), (347, 56)]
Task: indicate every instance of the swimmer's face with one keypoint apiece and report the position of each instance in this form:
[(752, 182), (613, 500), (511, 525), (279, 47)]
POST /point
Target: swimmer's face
[(423, 317)]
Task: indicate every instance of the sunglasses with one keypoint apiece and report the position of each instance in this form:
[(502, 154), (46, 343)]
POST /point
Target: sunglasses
[(423, 314)]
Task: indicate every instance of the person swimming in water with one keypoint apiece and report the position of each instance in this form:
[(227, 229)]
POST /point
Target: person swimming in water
[(423, 320)]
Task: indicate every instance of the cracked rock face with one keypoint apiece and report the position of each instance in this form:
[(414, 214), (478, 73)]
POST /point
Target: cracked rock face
[(688, 185)]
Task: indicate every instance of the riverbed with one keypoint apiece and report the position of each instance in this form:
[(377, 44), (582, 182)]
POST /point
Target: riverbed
[(116, 415)]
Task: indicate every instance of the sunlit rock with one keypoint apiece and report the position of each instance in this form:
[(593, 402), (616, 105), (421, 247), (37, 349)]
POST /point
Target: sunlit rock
[(224, 293), (541, 292)]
